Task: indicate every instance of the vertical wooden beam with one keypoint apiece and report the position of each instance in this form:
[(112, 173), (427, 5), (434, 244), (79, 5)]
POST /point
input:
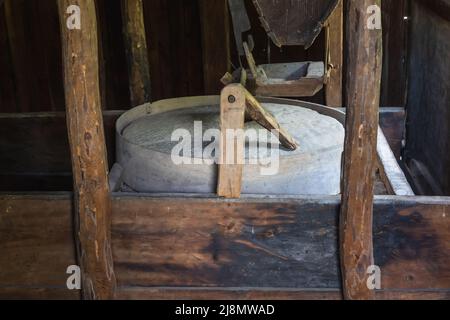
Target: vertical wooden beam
[(364, 52), (232, 147), (395, 59), (88, 150), (335, 56), (137, 54), (215, 43)]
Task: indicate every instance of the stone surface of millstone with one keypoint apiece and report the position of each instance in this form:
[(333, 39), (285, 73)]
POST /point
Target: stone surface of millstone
[(314, 168)]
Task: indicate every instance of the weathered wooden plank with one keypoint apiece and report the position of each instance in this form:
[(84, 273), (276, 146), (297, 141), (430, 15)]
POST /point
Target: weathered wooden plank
[(114, 79), (395, 57), (439, 7), (215, 43), (88, 151), (360, 151), (283, 243), (137, 53), (254, 248)]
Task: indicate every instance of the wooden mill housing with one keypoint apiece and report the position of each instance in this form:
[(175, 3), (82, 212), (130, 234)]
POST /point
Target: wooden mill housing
[(63, 89)]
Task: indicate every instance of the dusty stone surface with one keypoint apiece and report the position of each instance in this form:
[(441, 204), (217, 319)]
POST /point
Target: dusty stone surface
[(314, 168)]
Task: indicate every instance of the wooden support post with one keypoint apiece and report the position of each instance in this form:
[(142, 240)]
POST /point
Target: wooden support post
[(88, 149), (364, 50), (232, 146), (335, 54), (137, 54), (215, 43)]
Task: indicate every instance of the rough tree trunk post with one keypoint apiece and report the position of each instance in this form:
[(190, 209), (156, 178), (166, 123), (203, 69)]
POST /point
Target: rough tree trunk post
[(137, 54), (335, 54), (88, 149), (364, 52)]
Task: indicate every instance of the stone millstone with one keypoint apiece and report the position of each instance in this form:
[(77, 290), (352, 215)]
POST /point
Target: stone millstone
[(314, 168)]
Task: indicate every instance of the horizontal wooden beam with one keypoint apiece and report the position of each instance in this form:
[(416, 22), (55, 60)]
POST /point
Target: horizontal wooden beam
[(287, 244)]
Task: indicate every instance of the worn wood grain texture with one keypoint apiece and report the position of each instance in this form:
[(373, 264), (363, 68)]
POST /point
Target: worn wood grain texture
[(215, 43), (169, 293), (208, 248), (137, 53), (294, 22), (36, 68), (174, 39), (35, 153), (272, 243), (33, 159), (232, 144), (334, 47), (36, 236), (428, 120), (364, 59), (114, 79), (395, 47), (88, 150), (8, 101), (439, 7)]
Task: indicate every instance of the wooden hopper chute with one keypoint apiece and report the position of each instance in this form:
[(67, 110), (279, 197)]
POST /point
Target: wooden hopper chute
[(297, 22), (294, 22)]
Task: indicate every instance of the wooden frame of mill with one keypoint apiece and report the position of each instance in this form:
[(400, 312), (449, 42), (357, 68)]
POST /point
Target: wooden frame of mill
[(202, 246)]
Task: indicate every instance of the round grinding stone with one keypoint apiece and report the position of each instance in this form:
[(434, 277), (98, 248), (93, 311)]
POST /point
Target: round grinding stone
[(314, 168)]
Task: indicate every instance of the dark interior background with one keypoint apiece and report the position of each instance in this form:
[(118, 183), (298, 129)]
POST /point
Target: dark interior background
[(31, 64)]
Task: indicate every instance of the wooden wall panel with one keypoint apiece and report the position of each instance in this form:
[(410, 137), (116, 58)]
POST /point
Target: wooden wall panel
[(34, 149), (428, 124), (31, 77), (273, 243)]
